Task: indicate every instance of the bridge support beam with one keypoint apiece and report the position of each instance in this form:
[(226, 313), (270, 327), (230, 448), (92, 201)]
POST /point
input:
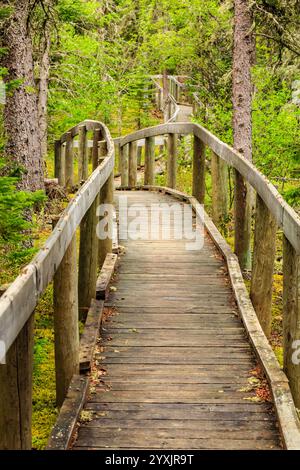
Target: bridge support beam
[(242, 222), (291, 317), (219, 176), (149, 160), (66, 332), (263, 265), (172, 161), (198, 190)]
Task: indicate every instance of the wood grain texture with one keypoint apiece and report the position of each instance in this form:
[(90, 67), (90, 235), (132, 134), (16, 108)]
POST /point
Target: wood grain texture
[(172, 358)]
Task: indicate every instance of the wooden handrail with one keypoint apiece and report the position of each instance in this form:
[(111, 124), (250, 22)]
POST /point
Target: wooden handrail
[(285, 216), (73, 291)]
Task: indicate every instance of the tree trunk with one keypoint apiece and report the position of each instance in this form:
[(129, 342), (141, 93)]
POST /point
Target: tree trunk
[(243, 54), (21, 112), (43, 88)]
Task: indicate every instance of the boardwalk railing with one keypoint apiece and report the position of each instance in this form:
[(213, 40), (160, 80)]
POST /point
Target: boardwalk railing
[(73, 289), (72, 292), (271, 212)]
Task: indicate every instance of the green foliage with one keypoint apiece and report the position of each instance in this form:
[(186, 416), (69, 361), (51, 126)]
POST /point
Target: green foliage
[(14, 226)]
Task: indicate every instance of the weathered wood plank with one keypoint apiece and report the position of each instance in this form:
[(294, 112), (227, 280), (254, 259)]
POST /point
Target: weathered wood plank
[(90, 334), (105, 276), (65, 426)]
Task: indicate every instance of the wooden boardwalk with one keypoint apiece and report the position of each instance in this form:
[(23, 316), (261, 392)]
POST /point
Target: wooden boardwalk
[(173, 368)]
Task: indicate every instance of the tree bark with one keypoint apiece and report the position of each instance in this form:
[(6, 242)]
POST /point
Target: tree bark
[(243, 55), (21, 110), (44, 67)]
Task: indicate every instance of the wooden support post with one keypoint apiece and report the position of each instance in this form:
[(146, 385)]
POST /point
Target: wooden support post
[(88, 255), (118, 156), (102, 150), (16, 392), (132, 165), (139, 156), (59, 163), (291, 317), (199, 170), (106, 197), (83, 170), (263, 265), (124, 164), (242, 221), (219, 176), (66, 332), (95, 151), (69, 162), (172, 161), (149, 160)]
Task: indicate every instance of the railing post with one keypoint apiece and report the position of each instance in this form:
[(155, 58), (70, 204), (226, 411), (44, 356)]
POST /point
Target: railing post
[(132, 165), (139, 155), (263, 265), (59, 163), (66, 333), (198, 190), (242, 220), (172, 161), (124, 164), (291, 317), (69, 162), (88, 255), (149, 160), (82, 155), (95, 151), (106, 197), (219, 176), (16, 392)]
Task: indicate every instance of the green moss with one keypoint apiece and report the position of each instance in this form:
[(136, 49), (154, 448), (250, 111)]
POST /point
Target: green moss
[(44, 406)]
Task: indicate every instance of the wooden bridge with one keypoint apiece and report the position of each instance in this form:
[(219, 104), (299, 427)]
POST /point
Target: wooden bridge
[(181, 357)]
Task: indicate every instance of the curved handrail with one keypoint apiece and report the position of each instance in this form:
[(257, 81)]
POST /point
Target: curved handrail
[(20, 299), (284, 215)]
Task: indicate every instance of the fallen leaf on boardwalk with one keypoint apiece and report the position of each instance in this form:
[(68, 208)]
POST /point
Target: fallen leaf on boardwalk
[(112, 288), (116, 351), (86, 416), (254, 399)]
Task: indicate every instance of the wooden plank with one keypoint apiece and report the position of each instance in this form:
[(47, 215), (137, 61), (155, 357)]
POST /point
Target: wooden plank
[(105, 276), (65, 426), (90, 334)]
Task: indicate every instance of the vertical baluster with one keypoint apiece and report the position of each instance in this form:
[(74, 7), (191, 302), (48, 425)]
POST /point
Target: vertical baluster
[(88, 254), (124, 150), (132, 165), (198, 190), (291, 317), (219, 176), (16, 392), (172, 161), (66, 333), (59, 163), (149, 160), (106, 197), (82, 155), (263, 264), (95, 152), (69, 162)]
